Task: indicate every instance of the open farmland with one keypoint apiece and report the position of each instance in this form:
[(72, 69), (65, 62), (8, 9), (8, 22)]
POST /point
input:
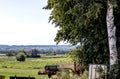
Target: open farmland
[(11, 67)]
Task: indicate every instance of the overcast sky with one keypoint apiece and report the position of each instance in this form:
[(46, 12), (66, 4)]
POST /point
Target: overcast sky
[(24, 22)]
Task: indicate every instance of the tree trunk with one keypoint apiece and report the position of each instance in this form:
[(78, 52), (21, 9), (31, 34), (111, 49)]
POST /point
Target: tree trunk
[(111, 28)]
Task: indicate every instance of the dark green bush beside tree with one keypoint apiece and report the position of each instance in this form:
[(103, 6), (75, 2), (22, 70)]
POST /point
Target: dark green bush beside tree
[(80, 55), (20, 56)]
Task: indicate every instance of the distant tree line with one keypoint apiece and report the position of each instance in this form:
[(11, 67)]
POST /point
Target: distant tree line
[(33, 53)]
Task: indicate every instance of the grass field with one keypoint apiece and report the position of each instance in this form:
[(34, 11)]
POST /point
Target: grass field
[(11, 67)]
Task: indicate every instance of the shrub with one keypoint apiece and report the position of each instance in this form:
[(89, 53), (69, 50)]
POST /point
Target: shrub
[(36, 67), (20, 56), (4, 67), (114, 72)]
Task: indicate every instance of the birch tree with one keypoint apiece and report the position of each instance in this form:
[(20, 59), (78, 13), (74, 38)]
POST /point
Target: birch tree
[(88, 22), (111, 34)]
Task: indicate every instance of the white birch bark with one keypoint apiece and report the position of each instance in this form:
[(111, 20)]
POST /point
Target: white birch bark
[(111, 28)]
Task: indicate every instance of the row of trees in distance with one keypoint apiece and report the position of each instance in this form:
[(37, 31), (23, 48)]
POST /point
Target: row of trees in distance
[(34, 52)]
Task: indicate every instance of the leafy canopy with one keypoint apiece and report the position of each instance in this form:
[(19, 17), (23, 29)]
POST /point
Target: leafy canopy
[(74, 18), (84, 22)]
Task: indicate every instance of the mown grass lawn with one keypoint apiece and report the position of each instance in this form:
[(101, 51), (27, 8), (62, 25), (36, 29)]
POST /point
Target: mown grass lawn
[(11, 67)]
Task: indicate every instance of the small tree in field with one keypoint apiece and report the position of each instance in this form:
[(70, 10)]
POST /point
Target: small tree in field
[(20, 56)]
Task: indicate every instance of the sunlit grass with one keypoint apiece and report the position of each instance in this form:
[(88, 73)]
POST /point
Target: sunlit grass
[(11, 67)]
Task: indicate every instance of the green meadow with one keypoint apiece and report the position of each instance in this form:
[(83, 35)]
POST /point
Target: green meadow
[(10, 67)]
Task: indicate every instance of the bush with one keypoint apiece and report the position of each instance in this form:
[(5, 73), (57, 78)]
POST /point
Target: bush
[(114, 72), (20, 56), (70, 75), (4, 67)]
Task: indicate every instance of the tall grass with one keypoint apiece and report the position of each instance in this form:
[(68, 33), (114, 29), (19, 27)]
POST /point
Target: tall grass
[(69, 75)]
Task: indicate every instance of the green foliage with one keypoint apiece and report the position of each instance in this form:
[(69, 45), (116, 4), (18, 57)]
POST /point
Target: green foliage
[(77, 55), (23, 51), (101, 73), (74, 18), (84, 22), (20, 56), (114, 72), (82, 56), (81, 22), (4, 66), (33, 53)]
